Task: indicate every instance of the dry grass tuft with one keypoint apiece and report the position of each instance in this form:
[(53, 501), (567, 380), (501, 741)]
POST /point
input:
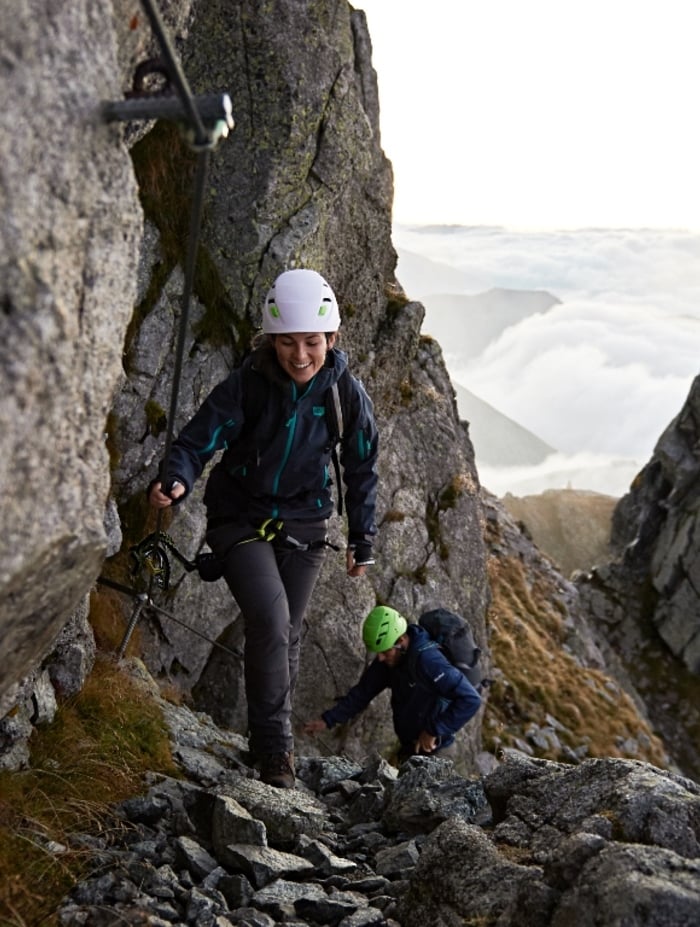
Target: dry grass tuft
[(109, 617), (95, 752), (537, 678)]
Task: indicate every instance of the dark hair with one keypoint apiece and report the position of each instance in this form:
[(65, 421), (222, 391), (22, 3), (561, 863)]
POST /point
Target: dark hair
[(261, 339)]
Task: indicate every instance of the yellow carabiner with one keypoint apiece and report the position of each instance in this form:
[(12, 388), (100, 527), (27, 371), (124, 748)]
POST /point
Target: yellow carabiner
[(264, 532), (267, 533)]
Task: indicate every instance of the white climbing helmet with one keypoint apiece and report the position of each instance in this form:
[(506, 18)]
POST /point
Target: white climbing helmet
[(300, 301)]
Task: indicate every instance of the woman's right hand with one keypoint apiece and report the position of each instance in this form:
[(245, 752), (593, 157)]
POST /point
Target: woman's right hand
[(159, 500)]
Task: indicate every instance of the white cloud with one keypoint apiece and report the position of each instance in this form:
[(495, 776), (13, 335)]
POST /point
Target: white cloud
[(661, 267), (592, 472), (590, 376), (606, 371)]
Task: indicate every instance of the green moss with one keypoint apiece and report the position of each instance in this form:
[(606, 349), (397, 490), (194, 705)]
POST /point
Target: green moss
[(450, 495), (406, 392), (396, 300), (111, 441), (221, 325), (164, 167), (156, 417)]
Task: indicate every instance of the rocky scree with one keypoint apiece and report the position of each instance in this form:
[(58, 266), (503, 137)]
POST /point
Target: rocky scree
[(360, 845)]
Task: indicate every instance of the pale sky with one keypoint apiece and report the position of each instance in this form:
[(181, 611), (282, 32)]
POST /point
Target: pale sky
[(540, 114)]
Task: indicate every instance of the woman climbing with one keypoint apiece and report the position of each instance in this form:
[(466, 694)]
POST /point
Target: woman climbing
[(268, 498)]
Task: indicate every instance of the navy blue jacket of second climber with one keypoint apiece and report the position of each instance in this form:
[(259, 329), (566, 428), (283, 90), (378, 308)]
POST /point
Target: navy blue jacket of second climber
[(439, 699), (278, 466)]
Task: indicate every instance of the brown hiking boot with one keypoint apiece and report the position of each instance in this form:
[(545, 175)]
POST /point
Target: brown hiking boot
[(278, 769)]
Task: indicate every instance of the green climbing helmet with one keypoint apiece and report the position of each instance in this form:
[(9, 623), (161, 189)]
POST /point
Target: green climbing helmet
[(382, 628)]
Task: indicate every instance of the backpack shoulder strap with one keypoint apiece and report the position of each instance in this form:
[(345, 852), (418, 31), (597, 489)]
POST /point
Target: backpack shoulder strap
[(335, 406), (336, 396), (338, 400)]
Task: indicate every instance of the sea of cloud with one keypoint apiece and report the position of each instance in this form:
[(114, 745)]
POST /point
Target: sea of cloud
[(598, 377)]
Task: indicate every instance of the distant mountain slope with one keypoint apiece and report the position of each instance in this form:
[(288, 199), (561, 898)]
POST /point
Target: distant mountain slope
[(570, 526), (419, 275), (465, 324), (497, 439)]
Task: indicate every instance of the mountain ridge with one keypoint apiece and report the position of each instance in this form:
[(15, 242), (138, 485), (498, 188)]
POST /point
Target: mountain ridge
[(497, 439)]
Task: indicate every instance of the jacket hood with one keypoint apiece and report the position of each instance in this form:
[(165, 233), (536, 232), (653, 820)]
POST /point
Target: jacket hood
[(417, 635)]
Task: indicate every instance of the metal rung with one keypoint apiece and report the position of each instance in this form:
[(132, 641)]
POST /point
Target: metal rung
[(212, 108)]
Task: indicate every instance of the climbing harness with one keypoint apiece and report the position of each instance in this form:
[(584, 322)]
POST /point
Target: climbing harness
[(271, 530), (267, 531), (204, 121), (150, 556)]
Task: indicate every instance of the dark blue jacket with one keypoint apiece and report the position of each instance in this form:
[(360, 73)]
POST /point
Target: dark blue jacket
[(278, 466), (439, 699)]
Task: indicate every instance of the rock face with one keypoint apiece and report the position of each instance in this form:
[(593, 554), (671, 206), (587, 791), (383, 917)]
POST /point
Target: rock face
[(301, 181), (361, 843), (589, 845), (70, 249), (646, 601), (69, 245), (656, 527)]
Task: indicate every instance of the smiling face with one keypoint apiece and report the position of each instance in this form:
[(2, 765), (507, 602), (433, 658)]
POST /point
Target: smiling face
[(302, 354)]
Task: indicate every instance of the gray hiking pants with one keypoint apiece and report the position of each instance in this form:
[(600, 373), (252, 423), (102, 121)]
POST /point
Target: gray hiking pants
[(272, 584)]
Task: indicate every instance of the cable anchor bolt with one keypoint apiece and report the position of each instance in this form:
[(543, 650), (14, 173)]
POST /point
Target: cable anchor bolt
[(214, 109)]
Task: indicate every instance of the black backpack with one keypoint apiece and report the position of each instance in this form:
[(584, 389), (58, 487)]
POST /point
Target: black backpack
[(454, 636)]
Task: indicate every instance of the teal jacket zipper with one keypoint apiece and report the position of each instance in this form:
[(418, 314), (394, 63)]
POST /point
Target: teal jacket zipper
[(291, 426)]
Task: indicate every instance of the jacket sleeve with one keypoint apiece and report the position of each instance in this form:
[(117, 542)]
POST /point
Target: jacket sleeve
[(373, 681), (462, 701), (217, 423), (358, 456)]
